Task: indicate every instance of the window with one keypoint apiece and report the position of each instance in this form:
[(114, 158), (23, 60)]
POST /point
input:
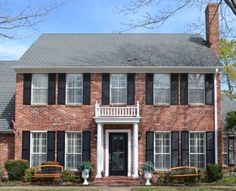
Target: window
[(196, 88), (74, 88), (231, 151), (197, 150), (161, 89), (162, 151), (73, 150), (118, 88), (38, 149), (39, 88), (225, 150)]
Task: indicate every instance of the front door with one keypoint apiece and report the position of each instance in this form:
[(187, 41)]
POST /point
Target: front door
[(118, 157)]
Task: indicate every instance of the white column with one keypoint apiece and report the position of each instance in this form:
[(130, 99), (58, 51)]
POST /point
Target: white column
[(135, 150), (99, 150)]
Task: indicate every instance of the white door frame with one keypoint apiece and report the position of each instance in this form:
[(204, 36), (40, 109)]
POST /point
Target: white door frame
[(107, 149)]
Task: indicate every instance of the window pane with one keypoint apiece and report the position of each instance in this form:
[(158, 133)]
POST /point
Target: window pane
[(197, 150), (162, 151), (74, 86), (40, 88), (196, 88), (118, 87), (162, 88), (39, 148), (73, 150)]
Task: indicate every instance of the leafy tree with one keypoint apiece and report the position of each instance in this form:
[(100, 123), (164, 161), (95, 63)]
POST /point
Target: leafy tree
[(228, 58), (230, 121)]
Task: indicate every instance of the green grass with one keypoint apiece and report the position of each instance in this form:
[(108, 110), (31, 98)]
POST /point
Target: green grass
[(229, 180)]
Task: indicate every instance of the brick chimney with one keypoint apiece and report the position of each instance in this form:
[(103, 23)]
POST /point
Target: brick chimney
[(212, 26)]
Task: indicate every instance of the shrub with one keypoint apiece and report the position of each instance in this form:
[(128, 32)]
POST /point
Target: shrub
[(85, 165), (68, 176), (50, 163), (147, 166), (16, 168), (202, 175), (29, 174), (214, 172)]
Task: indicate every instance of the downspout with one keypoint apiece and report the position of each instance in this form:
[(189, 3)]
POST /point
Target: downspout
[(216, 115)]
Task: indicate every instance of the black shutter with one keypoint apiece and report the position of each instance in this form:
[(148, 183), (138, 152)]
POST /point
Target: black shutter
[(61, 147), (26, 145), (149, 89), (174, 148), (86, 146), (150, 146), (185, 148), (184, 89), (209, 89), (27, 89), (105, 89), (174, 89), (61, 89), (131, 89), (51, 146), (51, 89), (210, 158), (86, 89)]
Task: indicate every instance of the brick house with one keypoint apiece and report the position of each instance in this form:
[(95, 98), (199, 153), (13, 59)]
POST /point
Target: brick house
[(119, 100)]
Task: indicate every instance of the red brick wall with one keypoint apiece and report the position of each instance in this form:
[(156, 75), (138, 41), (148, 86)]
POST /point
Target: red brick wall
[(79, 118), (7, 147)]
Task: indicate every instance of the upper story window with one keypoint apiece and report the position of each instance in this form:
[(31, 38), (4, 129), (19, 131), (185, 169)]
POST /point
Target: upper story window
[(161, 89), (74, 88), (38, 145), (118, 88), (73, 150), (162, 150), (39, 89), (196, 88)]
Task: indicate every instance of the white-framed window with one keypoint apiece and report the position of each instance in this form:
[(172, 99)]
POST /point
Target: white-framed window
[(118, 88), (39, 89), (74, 88), (197, 149), (161, 89), (73, 150), (225, 151), (196, 88), (231, 156), (38, 148), (162, 151)]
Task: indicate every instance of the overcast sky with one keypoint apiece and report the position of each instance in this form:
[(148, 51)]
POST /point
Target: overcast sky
[(87, 16)]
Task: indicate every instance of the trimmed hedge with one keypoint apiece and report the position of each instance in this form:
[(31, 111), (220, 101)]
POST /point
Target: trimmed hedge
[(50, 163), (16, 168), (214, 172)]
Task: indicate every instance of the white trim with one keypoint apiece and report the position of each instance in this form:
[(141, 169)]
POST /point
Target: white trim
[(110, 96), (31, 144), (66, 101), (203, 91), (66, 147), (116, 69), (159, 169), (216, 116), (117, 120), (107, 149), (204, 142), (32, 88)]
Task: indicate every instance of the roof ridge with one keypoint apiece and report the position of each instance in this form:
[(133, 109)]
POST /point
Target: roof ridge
[(189, 34)]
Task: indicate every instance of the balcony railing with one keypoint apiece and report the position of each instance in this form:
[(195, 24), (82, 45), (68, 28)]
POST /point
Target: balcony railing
[(116, 111)]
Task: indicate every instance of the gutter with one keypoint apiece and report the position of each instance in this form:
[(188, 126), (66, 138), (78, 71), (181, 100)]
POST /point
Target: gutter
[(216, 115)]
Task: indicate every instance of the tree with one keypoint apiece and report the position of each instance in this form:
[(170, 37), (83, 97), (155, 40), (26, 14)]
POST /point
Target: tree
[(230, 121), (154, 13), (228, 58), (13, 22)]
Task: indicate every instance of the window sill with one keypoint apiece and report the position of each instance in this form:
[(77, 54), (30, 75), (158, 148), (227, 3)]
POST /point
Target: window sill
[(161, 105), (118, 104), (197, 105), (74, 105), (39, 105)]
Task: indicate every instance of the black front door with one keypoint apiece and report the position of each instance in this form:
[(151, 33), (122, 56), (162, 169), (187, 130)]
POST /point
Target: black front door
[(118, 146)]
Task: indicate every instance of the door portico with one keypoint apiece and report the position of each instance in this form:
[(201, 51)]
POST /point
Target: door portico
[(117, 116)]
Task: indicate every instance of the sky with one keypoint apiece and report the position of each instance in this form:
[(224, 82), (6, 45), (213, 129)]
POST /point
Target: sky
[(85, 16)]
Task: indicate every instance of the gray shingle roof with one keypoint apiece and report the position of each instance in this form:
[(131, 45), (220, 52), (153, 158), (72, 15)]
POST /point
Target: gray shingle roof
[(7, 95), (227, 106), (118, 50)]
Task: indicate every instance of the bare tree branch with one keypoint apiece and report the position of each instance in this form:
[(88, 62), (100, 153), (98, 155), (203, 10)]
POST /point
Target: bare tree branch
[(232, 5)]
